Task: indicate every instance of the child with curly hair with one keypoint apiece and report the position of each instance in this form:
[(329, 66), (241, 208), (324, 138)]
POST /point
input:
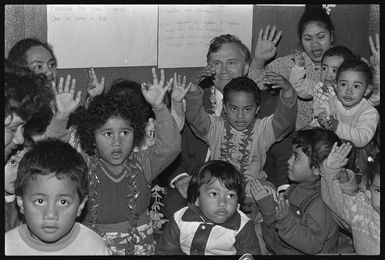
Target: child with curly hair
[(119, 178)]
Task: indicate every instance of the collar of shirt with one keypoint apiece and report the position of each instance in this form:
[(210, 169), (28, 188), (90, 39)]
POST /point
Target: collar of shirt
[(194, 214)]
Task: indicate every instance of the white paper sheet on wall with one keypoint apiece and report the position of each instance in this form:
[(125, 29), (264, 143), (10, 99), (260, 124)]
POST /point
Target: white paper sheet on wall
[(185, 31), (103, 35)]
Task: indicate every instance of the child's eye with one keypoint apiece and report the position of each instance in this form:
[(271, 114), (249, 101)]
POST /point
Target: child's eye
[(108, 134), (233, 109), (213, 194), (63, 203), (37, 67), (52, 65), (324, 68), (126, 132), (357, 86), (216, 63), (232, 63), (232, 195), (321, 36), (12, 162), (248, 109), (39, 202), (342, 84)]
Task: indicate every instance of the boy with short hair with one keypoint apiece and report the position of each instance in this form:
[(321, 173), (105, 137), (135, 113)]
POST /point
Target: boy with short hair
[(51, 190), (237, 136), (212, 223)]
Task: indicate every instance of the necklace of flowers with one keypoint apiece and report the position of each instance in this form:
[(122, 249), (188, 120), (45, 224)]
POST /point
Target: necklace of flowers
[(213, 98)]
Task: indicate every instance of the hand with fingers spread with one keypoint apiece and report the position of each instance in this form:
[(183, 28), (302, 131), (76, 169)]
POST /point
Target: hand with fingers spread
[(276, 80), (282, 209), (259, 191), (333, 122), (179, 88), (94, 87), (154, 93), (337, 157), (64, 97), (266, 43)]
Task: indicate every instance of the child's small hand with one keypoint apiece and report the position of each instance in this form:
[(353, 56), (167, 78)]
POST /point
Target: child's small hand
[(333, 122), (375, 49), (337, 157), (258, 191), (179, 89), (64, 98), (94, 87), (278, 81), (154, 93), (299, 59), (323, 120), (282, 209)]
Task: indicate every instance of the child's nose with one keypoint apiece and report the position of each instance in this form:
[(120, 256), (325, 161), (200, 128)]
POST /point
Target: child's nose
[(222, 201), (51, 213), (240, 113), (18, 138), (117, 140)]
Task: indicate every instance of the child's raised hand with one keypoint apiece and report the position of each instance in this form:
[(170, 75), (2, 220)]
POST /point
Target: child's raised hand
[(94, 87), (179, 88), (337, 157), (276, 80), (266, 43), (333, 122), (323, 119), (258, 191), (375, 49), (282, 209), (64, 98), (154, 93)]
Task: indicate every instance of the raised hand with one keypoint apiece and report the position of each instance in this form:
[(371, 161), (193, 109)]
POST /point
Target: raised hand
[(276, 80), (154, 93), (94, 87), (375, 49), (64, 97), (258, 191), (179, 88), (282, 208), (337, 157), (266, 43)]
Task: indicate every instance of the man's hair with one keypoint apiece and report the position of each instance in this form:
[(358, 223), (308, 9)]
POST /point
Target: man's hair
[(355, 63), (52, 156), (316, 143), (242, 84), (217, 42), (213, 170), (340, 51)]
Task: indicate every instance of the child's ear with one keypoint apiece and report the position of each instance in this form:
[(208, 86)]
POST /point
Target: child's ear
[(81, 205), (369, 89), (19, 201), (257, 110), (238, 206), (196, 203)]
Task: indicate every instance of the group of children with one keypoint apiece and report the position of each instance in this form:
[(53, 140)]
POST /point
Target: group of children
[(78, 180)]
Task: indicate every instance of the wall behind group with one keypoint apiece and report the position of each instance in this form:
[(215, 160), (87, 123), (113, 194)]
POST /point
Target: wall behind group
[(351, 30)]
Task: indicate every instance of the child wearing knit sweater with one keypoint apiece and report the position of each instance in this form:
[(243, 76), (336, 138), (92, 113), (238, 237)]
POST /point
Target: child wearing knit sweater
[(360, 210)]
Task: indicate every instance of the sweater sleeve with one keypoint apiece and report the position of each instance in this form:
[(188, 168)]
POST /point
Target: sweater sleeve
[(167, 145), (302, 85), (196, 114), (308, 237), (285, 116), (361, 134), (57, 129), (247, 241), (168, 243)]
